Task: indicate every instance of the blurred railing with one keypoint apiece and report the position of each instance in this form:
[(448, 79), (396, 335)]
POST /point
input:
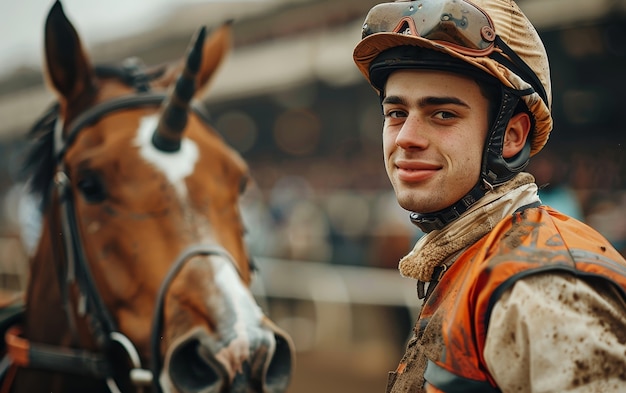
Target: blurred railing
[(324, 282), (334, 292)]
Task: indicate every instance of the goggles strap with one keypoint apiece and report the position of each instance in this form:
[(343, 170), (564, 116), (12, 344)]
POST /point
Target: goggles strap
[(519, 67)]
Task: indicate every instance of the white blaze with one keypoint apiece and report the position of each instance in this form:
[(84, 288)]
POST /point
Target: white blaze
[(176, 166), (242, 315), (239, 327)]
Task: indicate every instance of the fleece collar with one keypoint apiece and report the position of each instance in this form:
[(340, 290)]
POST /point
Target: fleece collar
[(434, 248)]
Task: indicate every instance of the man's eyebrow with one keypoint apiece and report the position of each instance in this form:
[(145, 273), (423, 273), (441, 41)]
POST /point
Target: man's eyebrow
[(426, 101), (431, 100), (393, 100)]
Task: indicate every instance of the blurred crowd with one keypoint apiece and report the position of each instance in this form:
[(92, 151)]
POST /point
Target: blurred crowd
[(313, 211), (342, 209)]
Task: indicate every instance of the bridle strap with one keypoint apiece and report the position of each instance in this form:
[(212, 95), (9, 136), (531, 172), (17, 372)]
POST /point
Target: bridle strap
[(61, 359), (82, 362), (157, 322), (26, 354), (93, 114), (90, 116), (78, 267)]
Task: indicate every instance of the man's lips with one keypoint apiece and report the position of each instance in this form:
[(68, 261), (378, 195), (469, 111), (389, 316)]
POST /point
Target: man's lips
[(415, 171)]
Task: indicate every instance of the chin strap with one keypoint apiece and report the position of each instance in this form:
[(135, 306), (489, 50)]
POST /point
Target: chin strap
[(438, 220), (495, 169)]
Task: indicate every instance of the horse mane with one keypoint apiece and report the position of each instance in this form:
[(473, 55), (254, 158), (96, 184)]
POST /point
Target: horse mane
[(39, 164)]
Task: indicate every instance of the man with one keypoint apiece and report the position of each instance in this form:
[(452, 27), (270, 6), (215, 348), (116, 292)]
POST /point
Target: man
[(517, 296)]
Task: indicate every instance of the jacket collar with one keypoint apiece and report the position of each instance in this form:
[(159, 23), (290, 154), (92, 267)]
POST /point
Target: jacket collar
[(434, 248)]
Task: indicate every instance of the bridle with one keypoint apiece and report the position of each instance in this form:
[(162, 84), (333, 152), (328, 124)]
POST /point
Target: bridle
[(76, 271)]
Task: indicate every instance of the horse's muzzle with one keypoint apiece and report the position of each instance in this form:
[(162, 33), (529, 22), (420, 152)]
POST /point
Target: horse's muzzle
[(199, 363)]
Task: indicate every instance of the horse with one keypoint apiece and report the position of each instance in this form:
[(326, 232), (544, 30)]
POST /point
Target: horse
[(141, 277)]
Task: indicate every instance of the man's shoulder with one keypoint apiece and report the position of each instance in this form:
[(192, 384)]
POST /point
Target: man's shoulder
[(541, 236), (542, 239), (543, 229)]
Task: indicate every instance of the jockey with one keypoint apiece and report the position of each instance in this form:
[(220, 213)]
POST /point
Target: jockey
[(518, 297)]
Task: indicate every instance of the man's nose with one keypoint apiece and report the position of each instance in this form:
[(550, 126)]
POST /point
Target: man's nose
[(413, 133)]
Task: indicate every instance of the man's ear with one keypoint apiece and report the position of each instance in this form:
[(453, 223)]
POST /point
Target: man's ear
[(516, 134)]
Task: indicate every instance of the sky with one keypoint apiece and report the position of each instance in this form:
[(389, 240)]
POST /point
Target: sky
[(22, 23)]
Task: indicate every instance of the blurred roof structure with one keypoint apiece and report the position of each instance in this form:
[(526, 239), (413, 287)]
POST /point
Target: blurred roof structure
[(277, 45)]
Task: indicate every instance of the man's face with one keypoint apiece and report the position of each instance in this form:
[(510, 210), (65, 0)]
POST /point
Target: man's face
[(433, 135)]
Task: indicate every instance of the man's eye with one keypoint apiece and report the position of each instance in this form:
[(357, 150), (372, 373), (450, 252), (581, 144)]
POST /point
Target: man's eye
[(395, 114), (444, 115)]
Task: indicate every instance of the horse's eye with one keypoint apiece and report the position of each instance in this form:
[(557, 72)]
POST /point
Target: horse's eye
[(92, 188)]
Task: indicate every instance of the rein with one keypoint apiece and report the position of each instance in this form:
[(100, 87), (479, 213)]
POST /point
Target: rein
[(99, 365)]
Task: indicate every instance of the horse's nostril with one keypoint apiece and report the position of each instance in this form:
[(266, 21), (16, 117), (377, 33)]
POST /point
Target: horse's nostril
[(192, 372), (279, 369)]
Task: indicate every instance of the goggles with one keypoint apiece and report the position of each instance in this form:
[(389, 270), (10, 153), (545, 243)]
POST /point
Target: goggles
[(457, 24)]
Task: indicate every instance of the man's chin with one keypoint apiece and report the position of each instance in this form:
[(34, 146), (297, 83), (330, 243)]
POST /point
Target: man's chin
[(415, 206)]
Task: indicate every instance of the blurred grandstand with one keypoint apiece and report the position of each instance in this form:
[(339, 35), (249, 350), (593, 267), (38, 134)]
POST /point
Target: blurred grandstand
[(322, 218)]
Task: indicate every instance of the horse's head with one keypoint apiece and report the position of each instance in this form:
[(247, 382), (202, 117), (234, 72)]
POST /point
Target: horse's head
[(141, 218)]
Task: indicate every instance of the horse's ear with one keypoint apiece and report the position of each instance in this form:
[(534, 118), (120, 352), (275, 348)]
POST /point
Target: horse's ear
[(67, 65), (216, 48)]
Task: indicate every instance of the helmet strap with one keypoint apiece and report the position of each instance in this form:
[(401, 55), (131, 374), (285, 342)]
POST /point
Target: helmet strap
[(438, 220), (495, 169)]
